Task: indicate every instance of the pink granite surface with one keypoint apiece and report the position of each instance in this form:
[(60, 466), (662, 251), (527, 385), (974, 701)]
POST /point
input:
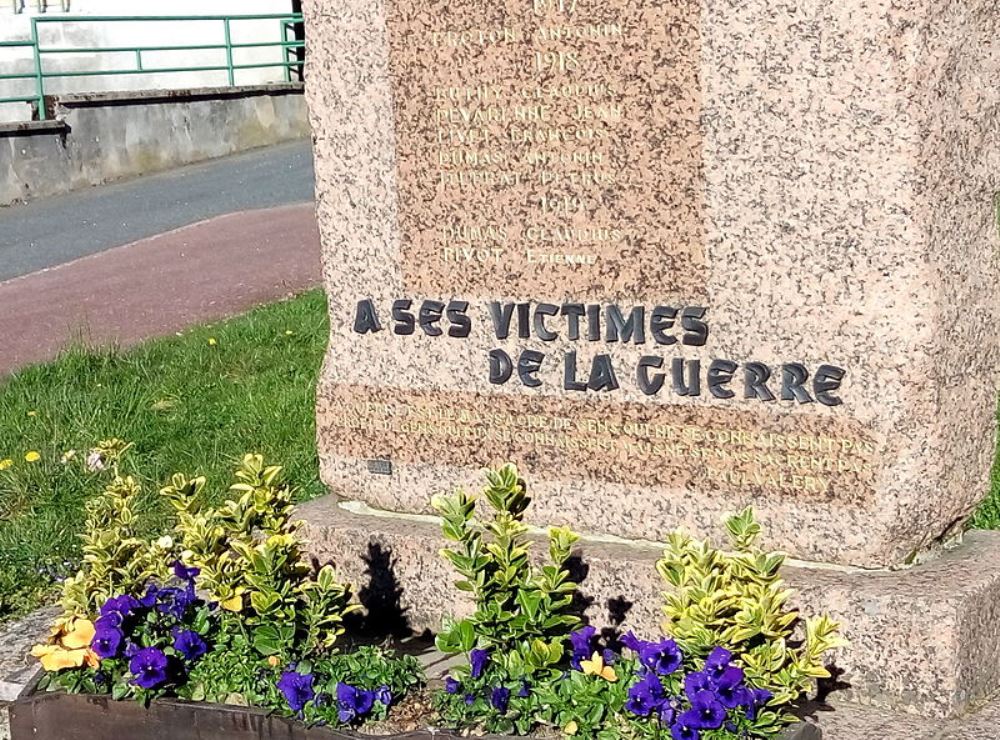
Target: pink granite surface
[(842, 213)]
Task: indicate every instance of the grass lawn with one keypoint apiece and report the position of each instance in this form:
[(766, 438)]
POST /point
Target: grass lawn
[(193, 403)]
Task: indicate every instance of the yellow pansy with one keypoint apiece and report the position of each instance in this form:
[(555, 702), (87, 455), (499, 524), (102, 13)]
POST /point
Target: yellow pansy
[(595, 667), (78, 633), (70, 646), (32, 456), (6, 464)]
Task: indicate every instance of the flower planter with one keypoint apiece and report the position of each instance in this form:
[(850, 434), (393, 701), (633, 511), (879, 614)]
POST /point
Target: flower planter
[(64, 717)]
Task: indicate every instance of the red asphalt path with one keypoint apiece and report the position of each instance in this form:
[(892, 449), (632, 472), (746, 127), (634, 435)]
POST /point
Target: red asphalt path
[(158, 286)]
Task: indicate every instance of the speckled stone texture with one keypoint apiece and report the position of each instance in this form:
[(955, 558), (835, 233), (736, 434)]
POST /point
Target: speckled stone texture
[(924, 641), (832, 202)]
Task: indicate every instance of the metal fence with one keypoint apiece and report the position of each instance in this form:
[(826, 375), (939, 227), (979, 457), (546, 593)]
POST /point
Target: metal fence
[(291, 45)]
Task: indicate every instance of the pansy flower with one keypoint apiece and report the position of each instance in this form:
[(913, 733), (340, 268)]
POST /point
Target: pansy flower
[(663, 658), (297, 688), (757, 700), (148, 668), (478, 659), (107, 639), (729, 687), (124, 605), (645, 696), (681, 729), (500, 698), (706, 712), (717, 662), (451, 685), (189, 644), (183, 573), (582, 641), (630, 641), (697, 682), (352, 702)]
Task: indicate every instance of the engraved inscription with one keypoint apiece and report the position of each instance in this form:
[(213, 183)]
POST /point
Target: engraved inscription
[(666, 446), (531, 154)]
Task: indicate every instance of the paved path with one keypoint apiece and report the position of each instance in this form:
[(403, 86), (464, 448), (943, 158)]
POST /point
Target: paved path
[(160, 285), (55, 230)]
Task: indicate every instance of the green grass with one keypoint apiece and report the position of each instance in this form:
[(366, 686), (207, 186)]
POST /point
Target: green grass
[(988, 514), (193, 403)]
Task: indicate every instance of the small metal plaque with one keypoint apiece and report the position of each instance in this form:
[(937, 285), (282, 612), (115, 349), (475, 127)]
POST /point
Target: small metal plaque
[(380, 467)]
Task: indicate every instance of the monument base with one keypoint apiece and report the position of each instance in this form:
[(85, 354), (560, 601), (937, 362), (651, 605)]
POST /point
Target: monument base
[(924, 641)]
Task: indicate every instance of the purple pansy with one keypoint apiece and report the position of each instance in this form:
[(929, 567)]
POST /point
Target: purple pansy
[(174, 601), (646, 696), (717, 662), (352, 702), (478, 659), (697, 682), (757, 700), (682, 730), (297, 689), (383, 695), (470, 699), (451, 685), (500, 698), (630, 641), (107, 639), (149, 668), (663, 658), (124, 606), (706, 712), (189, 644), (729, 688), (149, 598), (525, 690), (582, 641), (182, 572)]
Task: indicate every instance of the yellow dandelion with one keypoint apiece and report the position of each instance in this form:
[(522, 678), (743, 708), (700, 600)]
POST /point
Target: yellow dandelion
[(32, 413), (32, 456), (212, 341), (595, 667), (6, 464), (288, 332)]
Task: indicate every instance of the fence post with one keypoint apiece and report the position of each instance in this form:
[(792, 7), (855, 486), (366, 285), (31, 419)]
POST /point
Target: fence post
[(284, 50), (39, 77), (229, 54)]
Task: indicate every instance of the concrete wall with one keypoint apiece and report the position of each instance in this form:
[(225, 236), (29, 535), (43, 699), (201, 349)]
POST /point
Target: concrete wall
[(17, 26), (106, 136)]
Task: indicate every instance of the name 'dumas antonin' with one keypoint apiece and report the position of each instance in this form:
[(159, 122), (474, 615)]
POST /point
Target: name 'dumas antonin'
[(661, 326)]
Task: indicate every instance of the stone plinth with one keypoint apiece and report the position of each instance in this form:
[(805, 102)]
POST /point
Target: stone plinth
[(924, 641), (672, 259), (798, 192)]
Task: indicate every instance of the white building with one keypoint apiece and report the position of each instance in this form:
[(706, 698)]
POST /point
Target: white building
[(15, 25)]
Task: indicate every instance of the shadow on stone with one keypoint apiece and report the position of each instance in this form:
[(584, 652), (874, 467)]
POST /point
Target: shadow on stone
[(381, 597), (578, 571)]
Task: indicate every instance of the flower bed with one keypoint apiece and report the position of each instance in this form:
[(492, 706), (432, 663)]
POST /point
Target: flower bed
[(47, 717), (224, 611)]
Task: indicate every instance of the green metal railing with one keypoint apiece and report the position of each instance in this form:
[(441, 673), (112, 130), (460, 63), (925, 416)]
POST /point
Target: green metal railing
[(292, 58)]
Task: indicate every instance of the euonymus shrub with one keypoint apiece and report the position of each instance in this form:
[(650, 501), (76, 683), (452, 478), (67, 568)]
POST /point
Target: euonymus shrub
[(222, 609), (728, 667)]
